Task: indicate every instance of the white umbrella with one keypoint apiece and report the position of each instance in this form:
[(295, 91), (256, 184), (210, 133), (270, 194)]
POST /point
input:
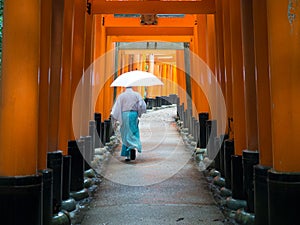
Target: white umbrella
[(136, 78)]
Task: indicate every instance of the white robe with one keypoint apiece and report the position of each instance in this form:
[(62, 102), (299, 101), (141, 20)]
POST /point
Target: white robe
[(128, 101)]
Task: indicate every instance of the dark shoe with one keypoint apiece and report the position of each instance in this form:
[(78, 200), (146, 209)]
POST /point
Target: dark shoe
[(132, 154), (127, 160)]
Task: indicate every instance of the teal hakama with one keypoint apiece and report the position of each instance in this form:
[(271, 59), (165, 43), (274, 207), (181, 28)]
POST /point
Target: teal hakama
[(127, 109), (130, 133)]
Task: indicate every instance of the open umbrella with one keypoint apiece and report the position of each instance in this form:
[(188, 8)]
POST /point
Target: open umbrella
[(136, 78)]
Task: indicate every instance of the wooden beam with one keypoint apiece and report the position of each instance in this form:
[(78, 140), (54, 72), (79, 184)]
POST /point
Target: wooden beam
[(152, 31), (153, 7), (111, 21), (125, 38)]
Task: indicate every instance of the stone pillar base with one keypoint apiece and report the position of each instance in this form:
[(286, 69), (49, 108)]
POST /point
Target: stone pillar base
[(284, 194), (21, 200)]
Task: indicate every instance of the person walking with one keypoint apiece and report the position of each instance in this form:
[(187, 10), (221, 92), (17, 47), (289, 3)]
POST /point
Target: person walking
[(128, 108)]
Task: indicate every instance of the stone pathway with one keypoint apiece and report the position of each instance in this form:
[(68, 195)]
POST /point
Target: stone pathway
[(163, 186)]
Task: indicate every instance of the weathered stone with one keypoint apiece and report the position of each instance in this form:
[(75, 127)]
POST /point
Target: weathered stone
[(244, 218), (79, 195), (235, 203), (69, 205), (225, 192), (219, 181)]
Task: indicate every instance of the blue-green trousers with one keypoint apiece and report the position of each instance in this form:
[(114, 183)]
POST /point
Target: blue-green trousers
[(130, 133)]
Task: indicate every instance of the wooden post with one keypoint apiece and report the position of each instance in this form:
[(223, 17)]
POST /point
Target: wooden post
[(21, 185), (263, 111), (227, 65), (249, 74), (198, 59), (284, 54), (55, 73), (19, 89), (262, 82), (237, 78), (77, 60), (45, 51), (181, 76), (284, 83), (250, 154), (65, 115)]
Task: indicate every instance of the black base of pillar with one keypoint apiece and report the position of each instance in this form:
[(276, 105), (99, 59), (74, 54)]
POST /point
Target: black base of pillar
[(88, 152), (54, 162), (172, 98), (97, 117), (228, 152), (203, 117), (250, 159), (102, 141), (237, 177), (77, 165), (284, 195), (107, 131), (158, 101), (47, 196), (217, 157), (261, 205), (21, 200), (66, 177), (222, 169)]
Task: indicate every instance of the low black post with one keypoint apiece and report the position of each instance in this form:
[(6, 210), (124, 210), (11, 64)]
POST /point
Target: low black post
[(208, 125), (21, 200), (261, 204), (197, 131), (77, 170), (250, 159), (228, 152), (97, 117), (147, 103), (92, 133), (102, 140), (184, 119), (107, 131), (150, 103), (155, 104), (222, 156), (181, 112), (237, 177), (283, 195), (163, 100), (217, 146), (170, 100), (158, 101), (203, 117), (211, 134), (66, 177), (178, 106), (111, 130), (54, 162), (167, 100), (88, 153), (222, 160), (189, 120), (193, 131), (47, 212), (173, 98)]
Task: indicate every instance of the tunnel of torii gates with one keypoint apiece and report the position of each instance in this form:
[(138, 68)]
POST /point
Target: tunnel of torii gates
[(251, 48)]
